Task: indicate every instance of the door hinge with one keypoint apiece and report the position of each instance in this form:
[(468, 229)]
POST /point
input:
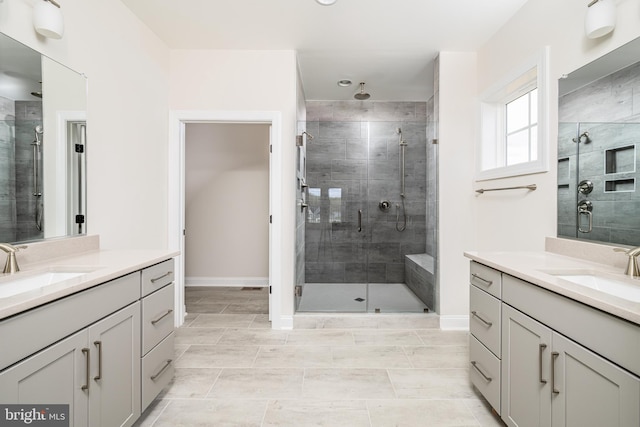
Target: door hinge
[(270, 148), (270, 219), (184, 232), (298, 291), (79, 219), (269, 289)]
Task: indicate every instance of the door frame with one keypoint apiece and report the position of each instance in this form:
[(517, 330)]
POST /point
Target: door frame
[(178, 119)]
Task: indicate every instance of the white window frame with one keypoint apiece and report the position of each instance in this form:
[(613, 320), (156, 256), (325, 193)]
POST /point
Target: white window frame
[(492, 142)]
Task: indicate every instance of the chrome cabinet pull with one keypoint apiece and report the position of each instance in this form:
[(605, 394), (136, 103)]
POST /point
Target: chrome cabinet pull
[(486, 282), (477, 316), (85, 351), (486, 378), (359, 220), (99, 345), (554, 356), (153, 322), (541, 349), (164, 368), (155, 279)]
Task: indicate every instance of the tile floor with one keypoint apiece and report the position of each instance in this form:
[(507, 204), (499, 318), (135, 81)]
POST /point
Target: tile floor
[(330, 370)]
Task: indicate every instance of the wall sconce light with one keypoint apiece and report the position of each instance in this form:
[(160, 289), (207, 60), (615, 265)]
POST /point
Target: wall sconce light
[(600, 19), (47, 19)]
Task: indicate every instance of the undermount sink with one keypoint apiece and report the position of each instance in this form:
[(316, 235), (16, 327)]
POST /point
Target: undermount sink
[(36, 281), (621, 288)]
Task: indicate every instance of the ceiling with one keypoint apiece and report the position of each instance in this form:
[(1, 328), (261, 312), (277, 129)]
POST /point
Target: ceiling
[(389, 44)]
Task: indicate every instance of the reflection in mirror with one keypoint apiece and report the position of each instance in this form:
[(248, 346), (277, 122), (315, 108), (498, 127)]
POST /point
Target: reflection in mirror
[(598, 156), (42, 142)]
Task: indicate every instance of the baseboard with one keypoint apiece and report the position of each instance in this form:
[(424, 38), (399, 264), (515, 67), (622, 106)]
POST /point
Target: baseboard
[(285, 324), (454, 323), (227, 281)]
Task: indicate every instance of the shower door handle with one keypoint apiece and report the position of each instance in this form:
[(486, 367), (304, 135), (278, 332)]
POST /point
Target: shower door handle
[(359, 220)]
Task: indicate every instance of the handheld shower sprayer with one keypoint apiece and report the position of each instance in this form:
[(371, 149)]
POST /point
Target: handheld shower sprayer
[(401, 144), (37, 132)]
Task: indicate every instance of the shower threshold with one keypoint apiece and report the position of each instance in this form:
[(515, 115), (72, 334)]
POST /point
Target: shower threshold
[(359, 298)]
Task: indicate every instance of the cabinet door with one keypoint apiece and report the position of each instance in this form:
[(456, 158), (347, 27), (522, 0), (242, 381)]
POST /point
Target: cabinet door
[(56, 375), (526, 348), (115, 369), (590, 391)]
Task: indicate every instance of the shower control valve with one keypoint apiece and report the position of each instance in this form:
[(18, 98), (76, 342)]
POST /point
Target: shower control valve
[(384, 205)]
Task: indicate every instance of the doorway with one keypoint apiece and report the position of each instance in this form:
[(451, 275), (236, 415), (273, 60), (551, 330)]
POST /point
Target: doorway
[(227, 204), (177, 197)]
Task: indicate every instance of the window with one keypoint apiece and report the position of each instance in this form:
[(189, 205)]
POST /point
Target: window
[(513, 139), (522, 129)]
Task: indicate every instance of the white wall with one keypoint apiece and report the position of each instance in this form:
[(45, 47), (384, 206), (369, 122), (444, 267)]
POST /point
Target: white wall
[(127, 69), (226, 202), (517, 220), (457, 225), (225, 80), (506, 220)]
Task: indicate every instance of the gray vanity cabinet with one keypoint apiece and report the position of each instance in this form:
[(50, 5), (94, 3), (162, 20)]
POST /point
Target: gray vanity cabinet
[(549, 380), (96, 371), (589, 390), (114, 392), (54, 375), (526, 386), (562, 363), (106, 351)]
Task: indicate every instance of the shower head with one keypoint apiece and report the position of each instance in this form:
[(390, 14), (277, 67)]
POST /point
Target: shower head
[(362, 95), (38, 131)]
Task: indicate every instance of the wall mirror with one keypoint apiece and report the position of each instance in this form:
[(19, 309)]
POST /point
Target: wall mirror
[(42, 146), (599, 149)]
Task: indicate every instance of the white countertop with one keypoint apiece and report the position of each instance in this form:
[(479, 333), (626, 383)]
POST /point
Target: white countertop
[(530, 266), (100, 265)]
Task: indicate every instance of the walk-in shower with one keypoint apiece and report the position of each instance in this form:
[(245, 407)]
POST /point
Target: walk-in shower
[(366, 196)]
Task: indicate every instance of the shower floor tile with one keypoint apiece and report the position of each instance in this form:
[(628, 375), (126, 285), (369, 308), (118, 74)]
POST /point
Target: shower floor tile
[(344, 298), (332, 297)]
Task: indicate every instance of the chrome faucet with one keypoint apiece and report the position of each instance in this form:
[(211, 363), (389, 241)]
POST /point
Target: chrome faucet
[(632, 266), (11, 266)]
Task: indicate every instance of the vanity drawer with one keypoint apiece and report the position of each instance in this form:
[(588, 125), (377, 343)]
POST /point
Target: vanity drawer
[(157, 317), (157, 276), (484, 319), (486, 278), (484, 372), (157, 370)]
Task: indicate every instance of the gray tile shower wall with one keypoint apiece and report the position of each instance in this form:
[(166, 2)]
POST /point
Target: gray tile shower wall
[(28, 116), (353, 163), (609, 110), (7, 173)]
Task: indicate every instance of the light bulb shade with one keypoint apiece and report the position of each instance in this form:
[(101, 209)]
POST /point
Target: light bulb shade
[(48, 20), (600, 19)]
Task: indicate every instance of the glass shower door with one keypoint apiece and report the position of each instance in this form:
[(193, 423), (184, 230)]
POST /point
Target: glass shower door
[(335, 233)]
